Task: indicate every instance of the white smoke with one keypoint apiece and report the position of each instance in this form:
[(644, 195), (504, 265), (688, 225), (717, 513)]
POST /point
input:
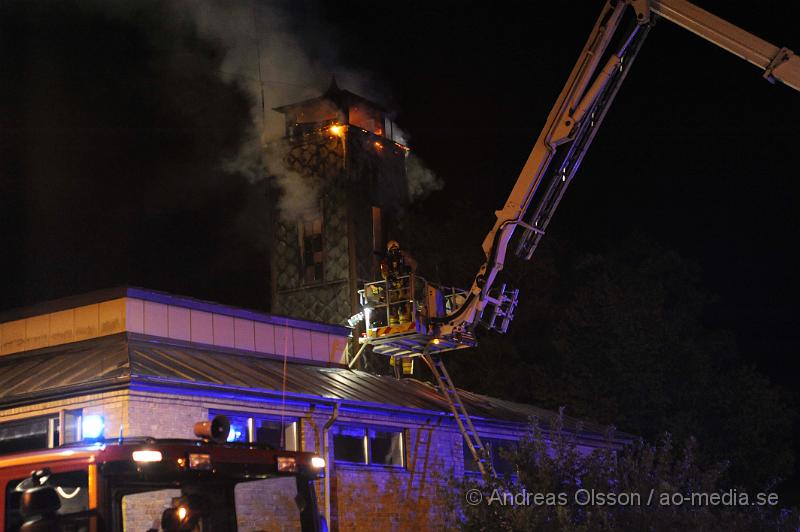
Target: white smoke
[(421, 179), (273, 61), (269, 57), (299, 194)]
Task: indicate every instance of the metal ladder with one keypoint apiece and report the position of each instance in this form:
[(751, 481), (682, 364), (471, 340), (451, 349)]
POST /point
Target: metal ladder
[(450, 394)]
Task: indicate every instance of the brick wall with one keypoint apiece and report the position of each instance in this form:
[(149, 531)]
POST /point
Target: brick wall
[(363, 497), (412, 498), (267, 505)]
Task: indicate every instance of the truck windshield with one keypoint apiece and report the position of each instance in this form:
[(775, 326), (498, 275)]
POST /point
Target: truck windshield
[(251, 506)]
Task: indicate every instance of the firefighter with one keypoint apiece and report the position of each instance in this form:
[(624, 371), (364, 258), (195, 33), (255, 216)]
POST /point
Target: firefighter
[(396, 266)]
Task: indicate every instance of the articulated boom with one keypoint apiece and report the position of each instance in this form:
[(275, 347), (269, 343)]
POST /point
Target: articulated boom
[(571, 126), (408, 317), (447, 317)]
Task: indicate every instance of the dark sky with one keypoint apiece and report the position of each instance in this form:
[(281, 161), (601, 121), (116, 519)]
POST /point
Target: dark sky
[(113, 128)]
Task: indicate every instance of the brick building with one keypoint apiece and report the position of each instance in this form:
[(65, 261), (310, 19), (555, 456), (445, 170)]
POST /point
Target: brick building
[(152, 363)]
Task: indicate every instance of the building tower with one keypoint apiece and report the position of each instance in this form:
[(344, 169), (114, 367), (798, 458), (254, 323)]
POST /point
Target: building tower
[(345, 147)]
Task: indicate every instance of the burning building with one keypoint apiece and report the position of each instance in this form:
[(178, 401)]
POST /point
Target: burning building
[(345, 148), (151, 363)]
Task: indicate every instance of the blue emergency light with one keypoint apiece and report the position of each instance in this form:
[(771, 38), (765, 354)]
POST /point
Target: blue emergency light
[(92, 427)]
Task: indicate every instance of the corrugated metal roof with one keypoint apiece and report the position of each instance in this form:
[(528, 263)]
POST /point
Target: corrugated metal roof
[(124, 359), (96, 363)]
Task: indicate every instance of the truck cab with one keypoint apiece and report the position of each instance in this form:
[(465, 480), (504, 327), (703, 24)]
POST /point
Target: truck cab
[(148, 484)]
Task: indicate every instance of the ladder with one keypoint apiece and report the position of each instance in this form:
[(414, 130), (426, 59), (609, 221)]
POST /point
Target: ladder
[(449, 392)]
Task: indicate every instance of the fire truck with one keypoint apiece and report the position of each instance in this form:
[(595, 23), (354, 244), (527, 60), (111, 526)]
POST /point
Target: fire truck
[(147, 484), (442, 319)]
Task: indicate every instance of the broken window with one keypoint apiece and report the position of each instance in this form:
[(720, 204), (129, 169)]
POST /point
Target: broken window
[(311, 251), (366, 118)]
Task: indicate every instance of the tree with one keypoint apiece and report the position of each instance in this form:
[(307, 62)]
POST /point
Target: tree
[(640, 487), (619, 336)]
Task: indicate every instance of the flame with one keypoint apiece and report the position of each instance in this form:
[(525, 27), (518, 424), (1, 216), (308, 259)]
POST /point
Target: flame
[(337, 130), (378, 145)]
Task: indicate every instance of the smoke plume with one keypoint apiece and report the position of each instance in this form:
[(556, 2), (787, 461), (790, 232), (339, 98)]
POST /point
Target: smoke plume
[(132, 135), (278, 60), (421, 179)]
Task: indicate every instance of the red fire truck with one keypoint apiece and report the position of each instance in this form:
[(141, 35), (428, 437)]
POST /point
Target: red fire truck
[(147, 484)]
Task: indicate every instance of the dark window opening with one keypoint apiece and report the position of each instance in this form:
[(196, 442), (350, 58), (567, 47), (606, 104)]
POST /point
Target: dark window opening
[(25, 435), (386, 447), (348, 444), (42, 432), (312, 255)]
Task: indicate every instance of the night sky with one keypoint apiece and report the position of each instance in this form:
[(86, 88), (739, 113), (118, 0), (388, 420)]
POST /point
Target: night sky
[(114, 124)]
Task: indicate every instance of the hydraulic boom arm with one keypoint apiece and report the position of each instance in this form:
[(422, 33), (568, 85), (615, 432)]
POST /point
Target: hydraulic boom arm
[(574, 119)]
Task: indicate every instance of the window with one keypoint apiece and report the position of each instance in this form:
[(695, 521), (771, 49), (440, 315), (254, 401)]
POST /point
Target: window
[(311, 250), (270, 430), (349, 444), (385, 447), (40, 432), (368, 445), (497, 447), (377, 232)]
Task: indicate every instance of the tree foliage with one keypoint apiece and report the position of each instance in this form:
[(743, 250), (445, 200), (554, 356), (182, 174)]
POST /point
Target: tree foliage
[(621, 335), (640, 487)]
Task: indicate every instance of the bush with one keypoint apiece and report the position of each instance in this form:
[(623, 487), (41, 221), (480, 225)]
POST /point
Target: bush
[(637, 487)]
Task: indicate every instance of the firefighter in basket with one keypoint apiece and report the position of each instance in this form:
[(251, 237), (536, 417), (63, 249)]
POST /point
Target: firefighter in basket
[(396, 268)]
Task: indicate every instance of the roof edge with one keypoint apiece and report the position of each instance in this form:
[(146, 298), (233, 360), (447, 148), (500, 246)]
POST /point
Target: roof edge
[(156, 296)]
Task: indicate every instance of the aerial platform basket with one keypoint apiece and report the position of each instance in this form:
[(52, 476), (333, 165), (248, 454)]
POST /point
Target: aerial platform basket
[(397, 315)]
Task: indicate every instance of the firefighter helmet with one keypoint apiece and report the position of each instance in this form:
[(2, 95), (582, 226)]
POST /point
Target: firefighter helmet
[(392, 245)]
